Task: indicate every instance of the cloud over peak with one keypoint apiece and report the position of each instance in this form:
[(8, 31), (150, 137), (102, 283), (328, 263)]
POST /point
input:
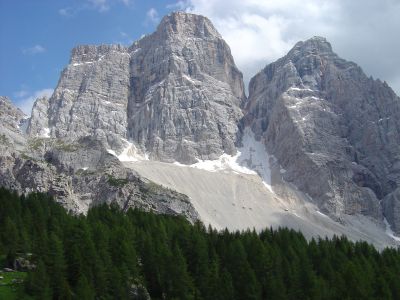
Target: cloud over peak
[(259, 32), (25, 99)]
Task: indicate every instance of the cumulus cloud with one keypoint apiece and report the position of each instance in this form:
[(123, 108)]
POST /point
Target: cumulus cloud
[(25, 99), (259, 32), (37, 49)]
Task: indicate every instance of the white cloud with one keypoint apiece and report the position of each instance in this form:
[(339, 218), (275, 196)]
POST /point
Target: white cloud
[(37, 49), (26, 100), (71, 11), (180, 5), (124, 39), (66, 11), (100, 5), (152, 16), (259, 32), (21, 93), (127, 2), (97, 5)]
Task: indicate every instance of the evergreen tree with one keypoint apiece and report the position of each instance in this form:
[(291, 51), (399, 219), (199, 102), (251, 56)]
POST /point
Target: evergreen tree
[(180, 285), (110, 254), (83, 289), (37, 283)]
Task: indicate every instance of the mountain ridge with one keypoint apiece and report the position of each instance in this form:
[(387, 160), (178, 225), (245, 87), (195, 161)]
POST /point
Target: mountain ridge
[(331, 134)]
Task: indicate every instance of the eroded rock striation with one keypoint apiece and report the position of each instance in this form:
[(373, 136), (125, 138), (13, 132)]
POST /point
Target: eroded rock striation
[(12, 123), (175, 93), (335, 131), (78, 173), (177, 96)]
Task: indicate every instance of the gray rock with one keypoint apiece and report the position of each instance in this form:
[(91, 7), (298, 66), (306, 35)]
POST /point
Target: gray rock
[(83, 175), (391, 209), (175, 93), (12, 121), (38, 124), (334, 130)]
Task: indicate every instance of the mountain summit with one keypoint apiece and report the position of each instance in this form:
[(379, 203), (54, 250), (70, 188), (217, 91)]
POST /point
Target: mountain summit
[(335, 131), (315, 146), (175, 93)]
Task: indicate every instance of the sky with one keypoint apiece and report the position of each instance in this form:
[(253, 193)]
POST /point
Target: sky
[(37, 35)]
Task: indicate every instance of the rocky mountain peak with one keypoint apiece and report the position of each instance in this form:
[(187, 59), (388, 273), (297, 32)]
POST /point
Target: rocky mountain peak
[(7, 107), (187, 25), (175, 94), (90, 53), (38, 124), (334, 130), (314, 45), (12, 124)]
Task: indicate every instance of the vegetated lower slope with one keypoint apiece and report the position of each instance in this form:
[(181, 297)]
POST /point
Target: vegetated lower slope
[(109, 254)]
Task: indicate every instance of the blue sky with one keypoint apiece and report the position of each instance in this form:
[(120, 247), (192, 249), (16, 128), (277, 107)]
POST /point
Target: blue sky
[(38, 35)]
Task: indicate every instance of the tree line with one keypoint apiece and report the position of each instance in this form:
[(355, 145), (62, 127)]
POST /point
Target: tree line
[(111, 254)]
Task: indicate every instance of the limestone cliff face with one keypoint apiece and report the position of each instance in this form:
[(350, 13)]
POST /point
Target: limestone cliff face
[(90, 99), (78, 173), (175, 93), (335, 131), (38, 123), (12, 124)]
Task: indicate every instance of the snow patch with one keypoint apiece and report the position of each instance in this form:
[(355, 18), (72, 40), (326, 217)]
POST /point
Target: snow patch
[(112, 152), (322, 214), (256, 157), (135, 51), (224, 162), (130, 153), (250, 159), (389, 231), (45, 132), (300, 89), (88, 62), (189, 79), (83, 63), (23, 124)]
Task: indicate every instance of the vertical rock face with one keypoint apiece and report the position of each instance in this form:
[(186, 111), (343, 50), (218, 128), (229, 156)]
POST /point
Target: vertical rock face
[(91, 96), (12, 123), (175, 93), (186, 91), (335, 131), (391, 209), (38, 124), (10, 116)]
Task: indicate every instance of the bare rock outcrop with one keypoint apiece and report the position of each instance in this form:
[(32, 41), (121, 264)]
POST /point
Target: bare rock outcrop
[(335, 131), (175, 93)]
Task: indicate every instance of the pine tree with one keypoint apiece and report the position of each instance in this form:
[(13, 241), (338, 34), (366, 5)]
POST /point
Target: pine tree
[(84, 291), (37, 283), (56, 267), (244, 279), (180, 285)]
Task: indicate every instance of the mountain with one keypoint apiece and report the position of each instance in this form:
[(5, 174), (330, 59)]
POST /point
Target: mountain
[(165, 125), (175, 93), (334, 131), (78, 173), (12, 123)]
